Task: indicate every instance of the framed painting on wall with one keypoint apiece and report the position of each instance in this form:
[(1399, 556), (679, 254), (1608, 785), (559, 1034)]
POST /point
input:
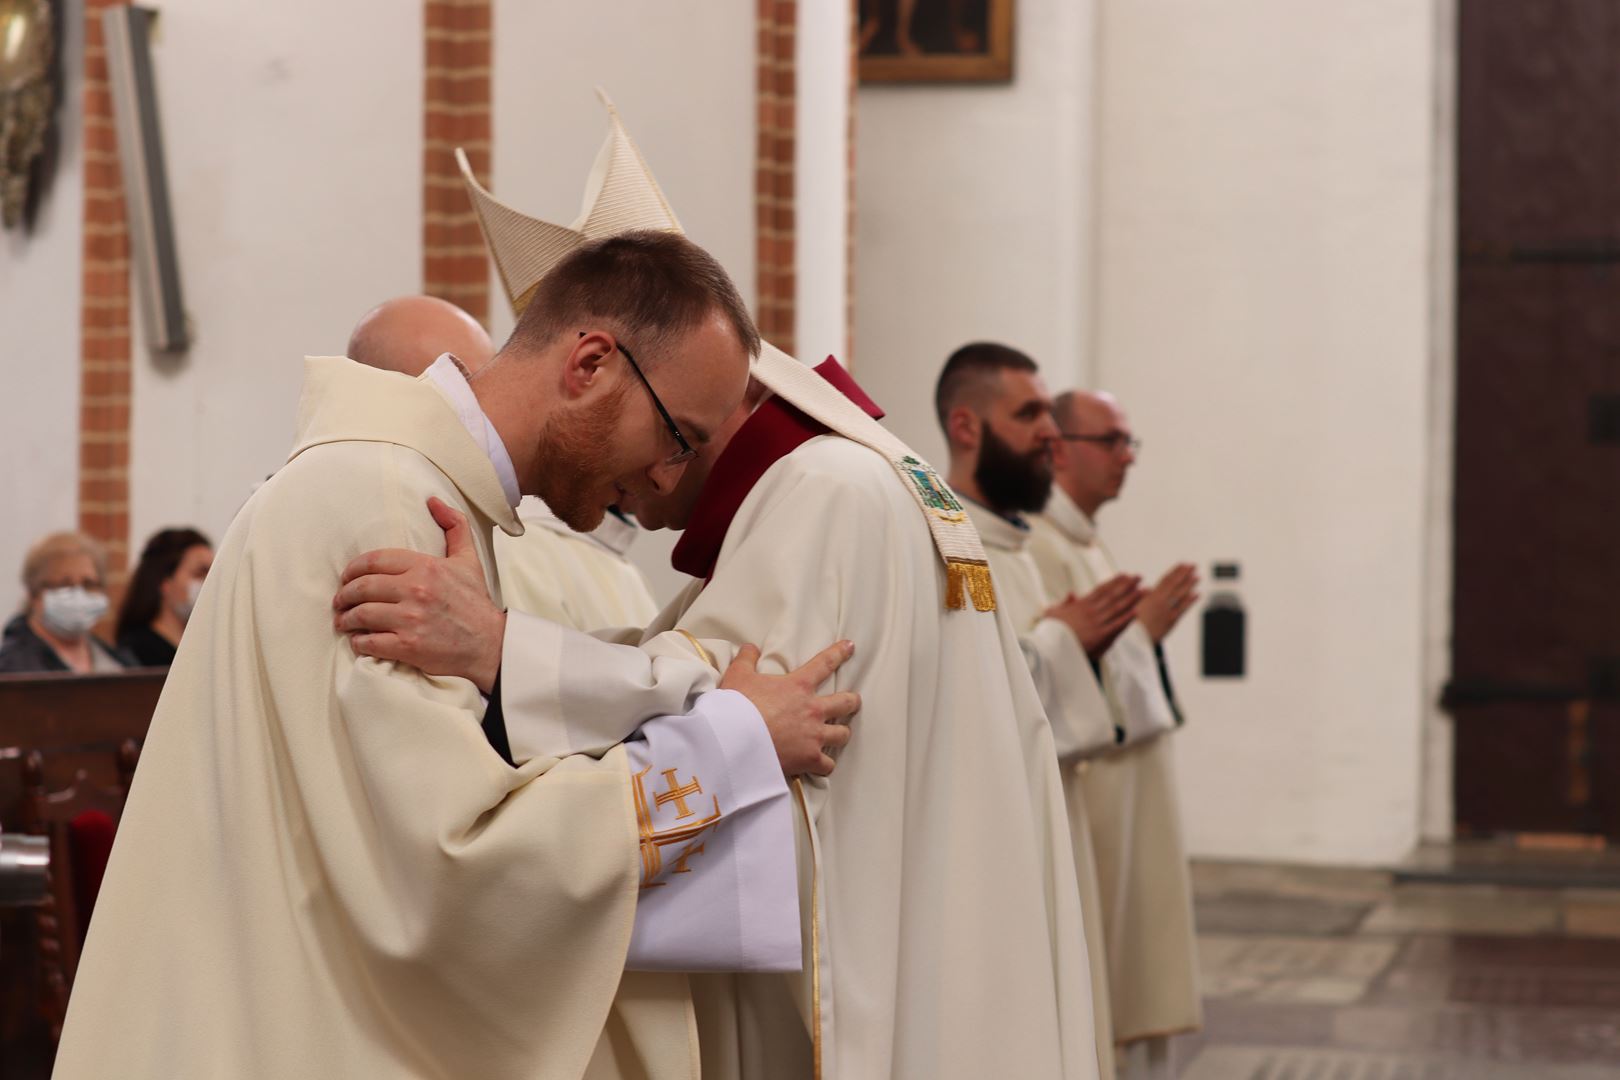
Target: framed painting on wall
[(903, 41)]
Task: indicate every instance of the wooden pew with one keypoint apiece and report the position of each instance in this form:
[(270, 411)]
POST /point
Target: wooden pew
[(68, 743)]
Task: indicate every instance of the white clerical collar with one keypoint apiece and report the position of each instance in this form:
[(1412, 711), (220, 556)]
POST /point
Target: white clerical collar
[(614, 535), (1006, 533), (450, 378), (1070, 520)]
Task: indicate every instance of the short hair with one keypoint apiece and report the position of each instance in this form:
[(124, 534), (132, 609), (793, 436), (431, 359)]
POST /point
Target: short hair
[(59, 545), (159, 560), (649, 287), (1063, 408), (968, 372)]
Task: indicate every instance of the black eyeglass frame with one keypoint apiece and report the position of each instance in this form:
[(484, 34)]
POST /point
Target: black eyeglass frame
[(685, 453), (1115, 442)]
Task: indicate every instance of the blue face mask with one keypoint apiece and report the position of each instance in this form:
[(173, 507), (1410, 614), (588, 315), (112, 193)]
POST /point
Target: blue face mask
[(70, 612)]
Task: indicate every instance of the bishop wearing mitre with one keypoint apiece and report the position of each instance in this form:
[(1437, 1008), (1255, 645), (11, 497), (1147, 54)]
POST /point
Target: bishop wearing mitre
[(941, 924)]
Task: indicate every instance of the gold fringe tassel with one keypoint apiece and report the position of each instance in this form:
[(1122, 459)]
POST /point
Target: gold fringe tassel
[(964, 579)]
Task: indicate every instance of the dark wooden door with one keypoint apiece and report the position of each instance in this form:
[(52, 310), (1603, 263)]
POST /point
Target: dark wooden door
[(1536, 588)]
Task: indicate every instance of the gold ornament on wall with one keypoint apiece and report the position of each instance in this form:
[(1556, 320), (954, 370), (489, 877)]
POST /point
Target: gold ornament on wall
[(26, 98)]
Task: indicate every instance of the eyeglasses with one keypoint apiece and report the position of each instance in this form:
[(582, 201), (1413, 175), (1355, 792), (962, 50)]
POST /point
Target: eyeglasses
[(685, 453), (1115, 441)]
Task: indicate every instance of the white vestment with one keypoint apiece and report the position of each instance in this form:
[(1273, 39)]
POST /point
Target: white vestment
[(1072, 697), (943, 937), (581, 580), (324, 869), (1135, 816)]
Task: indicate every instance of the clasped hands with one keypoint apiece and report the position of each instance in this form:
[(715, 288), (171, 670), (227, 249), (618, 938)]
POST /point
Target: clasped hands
[(435, 614), (1101, 615)]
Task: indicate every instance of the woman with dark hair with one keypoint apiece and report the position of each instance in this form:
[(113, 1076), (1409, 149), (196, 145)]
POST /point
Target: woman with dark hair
[(161, 594)]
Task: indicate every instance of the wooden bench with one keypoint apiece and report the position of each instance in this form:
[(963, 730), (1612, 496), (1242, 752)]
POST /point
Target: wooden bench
[(68, 744)]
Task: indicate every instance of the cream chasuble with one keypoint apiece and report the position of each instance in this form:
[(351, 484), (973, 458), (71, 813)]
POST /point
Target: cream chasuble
[(1135, 815), (943, 937), (1070, 691), (323, 869), (941, 929), (581, 580)]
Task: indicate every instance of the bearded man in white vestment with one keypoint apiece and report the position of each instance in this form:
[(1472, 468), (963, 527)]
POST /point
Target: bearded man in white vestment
[(996, 415), (325, 869), (1130, 791), (942, 927)]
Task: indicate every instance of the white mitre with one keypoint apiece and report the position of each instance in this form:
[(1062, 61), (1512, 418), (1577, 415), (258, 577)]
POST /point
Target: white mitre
[(622, 196)]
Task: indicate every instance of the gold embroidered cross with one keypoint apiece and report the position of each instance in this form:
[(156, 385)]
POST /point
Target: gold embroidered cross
[(680, 866), (677, 794)]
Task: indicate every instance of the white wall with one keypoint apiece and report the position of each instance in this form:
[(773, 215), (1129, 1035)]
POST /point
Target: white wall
[(1256, 286), (973, 207), (39, 346), (682, 76), (295, 165), (295, 174), (821, 187), (1265, 313)]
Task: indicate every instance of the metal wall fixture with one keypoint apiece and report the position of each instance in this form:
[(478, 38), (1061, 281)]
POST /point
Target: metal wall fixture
[(128, 30)]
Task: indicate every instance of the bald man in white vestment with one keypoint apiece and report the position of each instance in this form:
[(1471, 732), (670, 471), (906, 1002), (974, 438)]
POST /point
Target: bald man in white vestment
[(996, 416), (582, 580), (941, 919), (1130, 792), (326, 869), (408, 333)]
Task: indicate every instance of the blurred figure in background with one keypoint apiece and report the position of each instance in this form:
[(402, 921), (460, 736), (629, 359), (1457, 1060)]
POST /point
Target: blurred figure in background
[(161, 594), (65, 575), (1130, 791)]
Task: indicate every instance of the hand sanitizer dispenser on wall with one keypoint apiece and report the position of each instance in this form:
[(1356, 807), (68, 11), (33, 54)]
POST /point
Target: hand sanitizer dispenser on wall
[(1225, 625)]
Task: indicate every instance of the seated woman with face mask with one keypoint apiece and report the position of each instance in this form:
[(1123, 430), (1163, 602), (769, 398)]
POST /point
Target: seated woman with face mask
[(161, 594), (66, 578)]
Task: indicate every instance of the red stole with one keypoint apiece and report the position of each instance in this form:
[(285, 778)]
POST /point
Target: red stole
[(775, 430)]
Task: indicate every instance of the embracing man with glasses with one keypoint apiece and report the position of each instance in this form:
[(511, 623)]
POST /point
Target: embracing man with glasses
[(332, 865)]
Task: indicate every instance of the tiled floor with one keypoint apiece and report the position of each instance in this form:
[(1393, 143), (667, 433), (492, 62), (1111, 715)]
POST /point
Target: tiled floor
[(1346, 975)]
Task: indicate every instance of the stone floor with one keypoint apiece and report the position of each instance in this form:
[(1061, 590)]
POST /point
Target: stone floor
[(1353, 975)]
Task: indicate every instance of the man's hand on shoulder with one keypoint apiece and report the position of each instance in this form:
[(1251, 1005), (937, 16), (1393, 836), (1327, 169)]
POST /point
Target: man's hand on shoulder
[(432, 613), (804, 725)]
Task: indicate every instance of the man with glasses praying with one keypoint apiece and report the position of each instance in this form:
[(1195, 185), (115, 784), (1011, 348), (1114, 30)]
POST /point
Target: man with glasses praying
[(1130, 791), (332, 865)]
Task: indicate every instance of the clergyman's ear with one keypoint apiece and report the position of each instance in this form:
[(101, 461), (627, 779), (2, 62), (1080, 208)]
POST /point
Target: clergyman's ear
[(583, 363), (962, 428)]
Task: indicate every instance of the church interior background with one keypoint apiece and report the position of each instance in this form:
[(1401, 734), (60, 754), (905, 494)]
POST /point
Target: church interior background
[(1350, 267)]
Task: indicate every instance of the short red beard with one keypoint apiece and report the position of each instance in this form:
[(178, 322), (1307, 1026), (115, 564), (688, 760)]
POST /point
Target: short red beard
[(570, 456)]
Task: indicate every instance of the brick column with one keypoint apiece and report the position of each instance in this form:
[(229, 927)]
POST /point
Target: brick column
[(774, 172), (104, 319), (456, 112)]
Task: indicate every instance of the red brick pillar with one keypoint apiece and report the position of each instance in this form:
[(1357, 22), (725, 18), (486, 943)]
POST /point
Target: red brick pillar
[(456, 112), (774, 172), (104, 319)]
